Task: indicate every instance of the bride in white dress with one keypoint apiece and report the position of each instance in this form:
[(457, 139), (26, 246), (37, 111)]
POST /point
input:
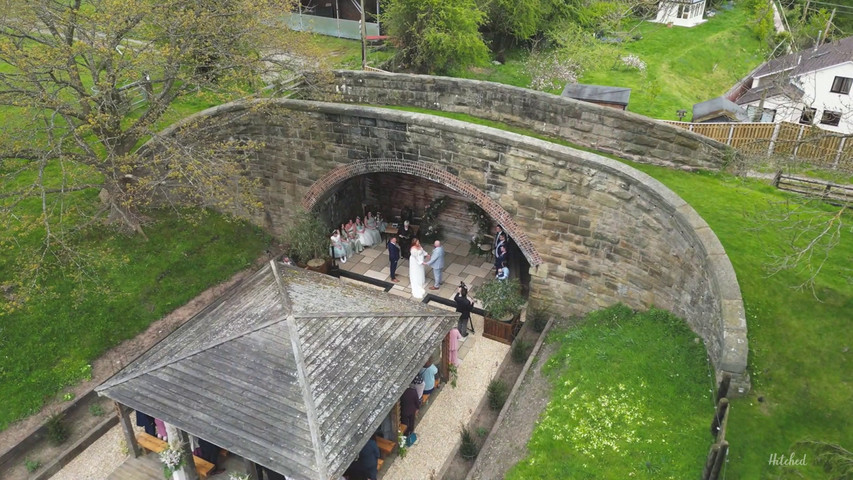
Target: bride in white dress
[(416, 269)]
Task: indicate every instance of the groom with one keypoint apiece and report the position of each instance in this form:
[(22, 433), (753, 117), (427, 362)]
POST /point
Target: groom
[(436, 261)]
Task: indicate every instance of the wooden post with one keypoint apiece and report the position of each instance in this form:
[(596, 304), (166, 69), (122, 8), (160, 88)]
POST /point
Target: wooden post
[(363, 38), (717, 422), (710, 461), (723, 389), (178, 440), (127, 429), (718, 464)]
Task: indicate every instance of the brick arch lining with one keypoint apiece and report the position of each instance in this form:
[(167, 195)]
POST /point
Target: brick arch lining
[(429, 172)]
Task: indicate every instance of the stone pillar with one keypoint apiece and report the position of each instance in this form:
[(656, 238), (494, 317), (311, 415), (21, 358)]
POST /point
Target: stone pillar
[(179, 440)]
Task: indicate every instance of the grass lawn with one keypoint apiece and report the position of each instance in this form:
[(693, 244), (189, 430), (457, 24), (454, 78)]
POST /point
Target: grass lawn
[(801, 350), (632, 397), (52, 340), (800, 347), (684, 65)]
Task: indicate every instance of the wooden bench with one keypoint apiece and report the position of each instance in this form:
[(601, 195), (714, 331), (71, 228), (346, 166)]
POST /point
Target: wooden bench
[(150, 442), (154, 444), (385, 446), (379, 464)]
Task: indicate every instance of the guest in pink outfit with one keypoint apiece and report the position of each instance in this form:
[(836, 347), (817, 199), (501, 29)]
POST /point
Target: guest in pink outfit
[(161, 429), (455, 338)]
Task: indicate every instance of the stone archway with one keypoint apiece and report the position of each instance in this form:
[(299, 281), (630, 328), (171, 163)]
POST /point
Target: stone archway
[(430, 172)]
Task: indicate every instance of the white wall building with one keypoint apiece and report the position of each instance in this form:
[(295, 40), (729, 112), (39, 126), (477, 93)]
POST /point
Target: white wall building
[(812, 87), (684, 13)]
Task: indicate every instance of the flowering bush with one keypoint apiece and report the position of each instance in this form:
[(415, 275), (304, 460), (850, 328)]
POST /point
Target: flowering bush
[(401, 441), (172, 460), (633, 61), (550, 72)]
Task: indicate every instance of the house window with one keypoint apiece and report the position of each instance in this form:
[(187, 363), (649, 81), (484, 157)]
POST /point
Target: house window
[(841, 85), (767, 114), (830, 118), (807, 118), (683, 11)]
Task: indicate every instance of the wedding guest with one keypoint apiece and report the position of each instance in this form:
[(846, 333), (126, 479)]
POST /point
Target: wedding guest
[(345, 240), (372, 229), (393, 257), (428, 373), (410, 403), (454, 337), (500, 258), (436, 261), (503, 272), (357, 246), (365, 239), (338, 250), (382, 225)]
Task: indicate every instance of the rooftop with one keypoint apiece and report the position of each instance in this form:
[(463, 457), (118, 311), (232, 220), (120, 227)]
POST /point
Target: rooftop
[(290, 369)]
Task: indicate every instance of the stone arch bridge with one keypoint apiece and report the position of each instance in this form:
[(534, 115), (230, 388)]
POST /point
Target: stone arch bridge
[(594, 230)]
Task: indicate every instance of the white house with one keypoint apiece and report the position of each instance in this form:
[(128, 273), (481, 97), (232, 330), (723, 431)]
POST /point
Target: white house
[(684, 13), (811, 87)]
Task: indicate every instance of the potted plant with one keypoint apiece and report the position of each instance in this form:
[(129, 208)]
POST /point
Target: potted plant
[(502, 303), (308, 241)]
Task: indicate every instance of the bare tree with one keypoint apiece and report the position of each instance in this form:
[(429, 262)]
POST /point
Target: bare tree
[(84, 83)]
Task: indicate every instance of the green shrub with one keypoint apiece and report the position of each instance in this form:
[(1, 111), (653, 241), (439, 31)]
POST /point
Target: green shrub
[(501, 298), (32, 465), (57, 430), (468, 450), (538, 319), (96, 410), (498, 391), (520, 350)]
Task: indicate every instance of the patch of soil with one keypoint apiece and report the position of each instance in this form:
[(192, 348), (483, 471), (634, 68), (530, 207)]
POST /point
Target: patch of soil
[(484, 419), (35, 445)]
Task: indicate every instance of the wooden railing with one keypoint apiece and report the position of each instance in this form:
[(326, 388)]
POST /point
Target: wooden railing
[(829, 192), (805, 142)]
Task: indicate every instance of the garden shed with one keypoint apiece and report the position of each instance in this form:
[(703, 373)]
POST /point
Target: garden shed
[(613, 97), (290, 369)]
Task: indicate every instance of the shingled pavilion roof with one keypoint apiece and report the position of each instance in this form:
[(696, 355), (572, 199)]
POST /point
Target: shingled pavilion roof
[(290, 369)]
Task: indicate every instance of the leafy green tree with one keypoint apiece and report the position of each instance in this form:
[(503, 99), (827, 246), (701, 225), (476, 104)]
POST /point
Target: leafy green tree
[(513, 20), (435, 36)]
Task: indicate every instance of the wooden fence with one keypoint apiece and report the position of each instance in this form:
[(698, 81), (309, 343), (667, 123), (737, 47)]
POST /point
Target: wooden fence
[(808, 143), (717, 454), (829, 192)]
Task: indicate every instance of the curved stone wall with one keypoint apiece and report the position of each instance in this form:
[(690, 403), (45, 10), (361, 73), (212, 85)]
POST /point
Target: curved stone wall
[(604, 231), (588, 125)]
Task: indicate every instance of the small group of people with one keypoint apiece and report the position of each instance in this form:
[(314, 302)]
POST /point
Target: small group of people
[(501, 254), (412, 399), (353, 237), (203, 449), (418, 261)]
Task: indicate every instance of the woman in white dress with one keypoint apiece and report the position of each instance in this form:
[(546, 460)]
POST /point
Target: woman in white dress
[(372, 229), (416, 269)]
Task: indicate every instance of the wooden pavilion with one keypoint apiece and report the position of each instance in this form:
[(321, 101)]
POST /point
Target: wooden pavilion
[(290, 369)]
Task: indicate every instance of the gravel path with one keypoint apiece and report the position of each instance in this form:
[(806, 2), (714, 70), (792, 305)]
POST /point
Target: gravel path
[(97, 461), (438, 430)]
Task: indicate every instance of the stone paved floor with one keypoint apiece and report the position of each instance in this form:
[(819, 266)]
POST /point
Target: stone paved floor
[(438, 428), (458, 266)]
